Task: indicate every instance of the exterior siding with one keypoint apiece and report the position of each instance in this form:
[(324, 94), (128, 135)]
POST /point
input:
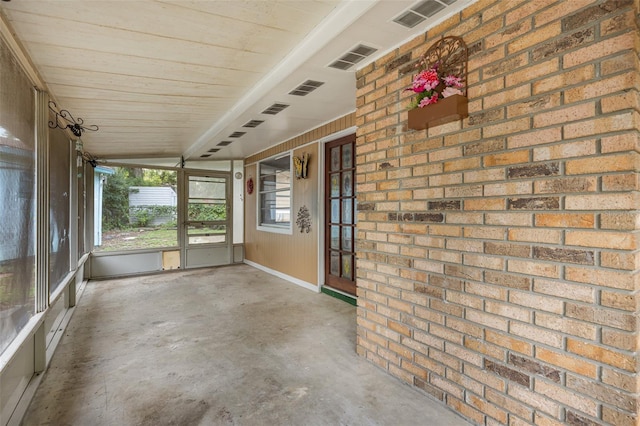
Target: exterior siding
[(295, 254), (498, 256)]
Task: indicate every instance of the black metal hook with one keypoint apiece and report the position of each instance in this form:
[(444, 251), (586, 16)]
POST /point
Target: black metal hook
[(76, 126)]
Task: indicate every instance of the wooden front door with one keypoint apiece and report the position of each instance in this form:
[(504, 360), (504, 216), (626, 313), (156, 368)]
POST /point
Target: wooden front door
[(340, 217)]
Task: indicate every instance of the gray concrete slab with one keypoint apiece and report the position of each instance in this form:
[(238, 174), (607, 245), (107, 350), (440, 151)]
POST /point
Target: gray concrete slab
[(220, 346)]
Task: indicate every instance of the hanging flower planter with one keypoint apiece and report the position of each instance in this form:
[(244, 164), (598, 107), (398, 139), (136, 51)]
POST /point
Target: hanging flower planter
[(444, 111), (440, 86)]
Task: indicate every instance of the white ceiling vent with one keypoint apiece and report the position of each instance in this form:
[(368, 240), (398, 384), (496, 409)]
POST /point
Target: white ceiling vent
[(224, 143), (237, 134), (305, 88), (421, 11), (275, 108), (253, 123), (352, 57)]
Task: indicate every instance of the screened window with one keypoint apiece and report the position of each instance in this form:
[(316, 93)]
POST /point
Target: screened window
[(275, 192), (59, 207), (17, 198), (139, 208)]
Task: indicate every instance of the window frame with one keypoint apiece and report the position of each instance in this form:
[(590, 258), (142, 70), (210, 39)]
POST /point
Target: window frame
[(274, 227)]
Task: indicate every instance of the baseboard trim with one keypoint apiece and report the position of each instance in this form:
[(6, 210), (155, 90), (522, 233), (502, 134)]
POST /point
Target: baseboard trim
[(286, 277)]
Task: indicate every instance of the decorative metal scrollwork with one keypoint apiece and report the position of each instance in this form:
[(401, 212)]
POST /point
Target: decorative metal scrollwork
[(304, 220), (450, 56), (64, 120)]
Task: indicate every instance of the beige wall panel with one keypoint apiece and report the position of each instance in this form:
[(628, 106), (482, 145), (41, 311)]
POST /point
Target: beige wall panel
[(295, 255)]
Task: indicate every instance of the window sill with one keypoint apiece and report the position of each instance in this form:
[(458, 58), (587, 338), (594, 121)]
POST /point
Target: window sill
[(275, 229)]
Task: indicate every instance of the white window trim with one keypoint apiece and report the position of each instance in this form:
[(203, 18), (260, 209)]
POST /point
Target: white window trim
[(276, 229)]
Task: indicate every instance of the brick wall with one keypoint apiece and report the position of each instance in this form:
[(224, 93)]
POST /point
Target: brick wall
[(498, 256)]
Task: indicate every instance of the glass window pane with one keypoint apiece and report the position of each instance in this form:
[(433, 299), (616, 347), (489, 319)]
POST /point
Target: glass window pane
[(347, 157), (335, 185), (347, 240), (335, 211), (275, 191), (347, 266), (139, 208), (335, 237), (347, 184), (347, 211), (335, 263), (335, 158), (17, 198), (59, 208)]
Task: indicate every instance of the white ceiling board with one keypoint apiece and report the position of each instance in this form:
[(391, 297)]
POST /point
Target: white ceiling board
[(176, 77)]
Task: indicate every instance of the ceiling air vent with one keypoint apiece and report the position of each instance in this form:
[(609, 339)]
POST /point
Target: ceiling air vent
[(352, 57), (224, 143), (205, 155), (253, 123), (237, 134), (305, 88), (421, 11), (214, 150), (274, 109)]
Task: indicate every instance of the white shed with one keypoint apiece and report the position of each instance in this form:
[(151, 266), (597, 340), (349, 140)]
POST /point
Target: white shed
[(145, 198)]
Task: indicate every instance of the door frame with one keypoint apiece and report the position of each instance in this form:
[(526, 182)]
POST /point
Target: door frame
[(221, 251), (322, 244)]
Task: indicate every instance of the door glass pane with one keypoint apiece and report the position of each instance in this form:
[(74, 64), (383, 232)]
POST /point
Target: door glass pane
[(347, 241), (207, 187), (335, 185), (335, 237), (347, 210), (347, 184), (335, 158), (203, 211), (347, 157), (207, 199), (347, 266), (335, 211), (335, 263)]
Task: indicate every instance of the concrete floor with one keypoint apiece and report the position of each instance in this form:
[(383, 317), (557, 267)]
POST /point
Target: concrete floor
[(220, 346)]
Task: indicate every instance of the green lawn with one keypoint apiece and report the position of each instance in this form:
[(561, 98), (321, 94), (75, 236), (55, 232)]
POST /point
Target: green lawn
[(141, 238)]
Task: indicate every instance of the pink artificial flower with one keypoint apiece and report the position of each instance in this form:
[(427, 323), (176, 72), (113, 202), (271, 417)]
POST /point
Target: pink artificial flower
[(426, 80), (452, 81), (428, 100), (449, 91)]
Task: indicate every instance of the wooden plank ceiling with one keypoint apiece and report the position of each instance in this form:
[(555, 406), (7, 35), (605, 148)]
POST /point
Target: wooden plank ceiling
[(176, 77)]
